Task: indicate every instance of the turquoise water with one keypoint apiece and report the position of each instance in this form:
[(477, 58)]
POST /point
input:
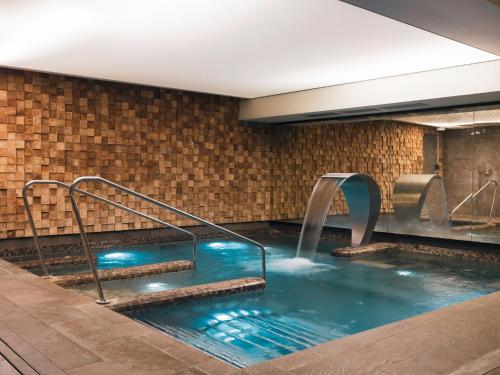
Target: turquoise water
[(304, 303)]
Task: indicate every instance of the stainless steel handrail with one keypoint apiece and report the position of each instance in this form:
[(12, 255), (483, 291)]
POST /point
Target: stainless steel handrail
[(41, 256), (475, 194), (145, 198)]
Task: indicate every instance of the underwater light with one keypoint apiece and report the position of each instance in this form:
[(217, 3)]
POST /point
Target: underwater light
[(156, 286), (229, 245), (405, 273), (116, 255), (222, 317)]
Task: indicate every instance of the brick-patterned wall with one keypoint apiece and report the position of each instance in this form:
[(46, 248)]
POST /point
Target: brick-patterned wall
[(382, 149), (183, 148)]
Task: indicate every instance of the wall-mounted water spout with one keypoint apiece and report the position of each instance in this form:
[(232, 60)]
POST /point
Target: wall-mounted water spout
[(411, 192), (363, 200)]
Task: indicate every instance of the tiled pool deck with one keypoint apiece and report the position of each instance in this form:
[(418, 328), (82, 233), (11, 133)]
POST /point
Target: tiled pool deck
[(59, 332)]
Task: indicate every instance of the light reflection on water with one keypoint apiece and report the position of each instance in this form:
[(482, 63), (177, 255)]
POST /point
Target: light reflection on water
[(304, 303)]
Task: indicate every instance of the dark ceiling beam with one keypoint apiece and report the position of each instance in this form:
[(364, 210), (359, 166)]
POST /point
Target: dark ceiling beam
[(472, 22)]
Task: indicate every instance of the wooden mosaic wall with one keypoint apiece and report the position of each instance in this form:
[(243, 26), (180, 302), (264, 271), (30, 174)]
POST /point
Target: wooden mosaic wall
[(183, 148), (186, 149), (382, 149)]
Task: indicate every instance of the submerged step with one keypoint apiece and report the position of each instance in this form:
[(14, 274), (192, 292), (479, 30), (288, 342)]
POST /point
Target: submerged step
[(123, 273), (190, 293), (63, 261), (373, 248)]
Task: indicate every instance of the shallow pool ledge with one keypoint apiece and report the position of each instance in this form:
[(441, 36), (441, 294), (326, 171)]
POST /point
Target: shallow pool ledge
[(370, 249), (190, 293), (123, 273)]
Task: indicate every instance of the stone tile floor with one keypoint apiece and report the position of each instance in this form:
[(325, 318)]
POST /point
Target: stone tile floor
[(61, 332), (6, 368), (57, 331)]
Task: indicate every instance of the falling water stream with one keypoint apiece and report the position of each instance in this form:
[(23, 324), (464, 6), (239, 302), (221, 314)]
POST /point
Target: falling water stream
[(316, 213), (363, 199)]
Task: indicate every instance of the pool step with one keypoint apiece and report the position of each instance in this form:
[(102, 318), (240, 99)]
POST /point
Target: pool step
[(265, 336), (123, 273), (370, 249), (190, 293), (55, 262), (247, 330)]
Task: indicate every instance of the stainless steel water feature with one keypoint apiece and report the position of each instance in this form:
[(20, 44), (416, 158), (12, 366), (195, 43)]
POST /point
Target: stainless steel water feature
[(41, 256), (74, 188), (363, 200), (410, 194)]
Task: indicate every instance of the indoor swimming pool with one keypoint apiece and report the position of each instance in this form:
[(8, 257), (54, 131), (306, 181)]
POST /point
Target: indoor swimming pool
[(303, 304)]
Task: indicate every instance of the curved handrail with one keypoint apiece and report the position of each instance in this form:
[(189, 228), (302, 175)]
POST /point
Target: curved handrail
[(80, 180), (101, 199)]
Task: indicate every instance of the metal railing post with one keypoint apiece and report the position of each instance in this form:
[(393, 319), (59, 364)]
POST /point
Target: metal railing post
[(493, 201), (86, 247)]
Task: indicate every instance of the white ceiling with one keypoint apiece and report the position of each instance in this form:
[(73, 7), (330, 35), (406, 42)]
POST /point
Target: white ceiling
[(246, 48)]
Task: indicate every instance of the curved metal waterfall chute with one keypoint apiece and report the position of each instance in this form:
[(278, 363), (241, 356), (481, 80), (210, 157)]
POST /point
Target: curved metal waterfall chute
[(411, 192), (363, 200)]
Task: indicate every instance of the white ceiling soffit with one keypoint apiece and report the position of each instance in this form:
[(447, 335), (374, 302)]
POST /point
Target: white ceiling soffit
[(455, 120), (473, 22), (240, 48), (457, 86)]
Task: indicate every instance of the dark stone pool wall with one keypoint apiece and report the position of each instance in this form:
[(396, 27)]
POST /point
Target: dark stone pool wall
[(23, 249)]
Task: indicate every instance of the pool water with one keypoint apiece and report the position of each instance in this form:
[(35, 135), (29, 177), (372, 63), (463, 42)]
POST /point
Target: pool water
[(305, 303)]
